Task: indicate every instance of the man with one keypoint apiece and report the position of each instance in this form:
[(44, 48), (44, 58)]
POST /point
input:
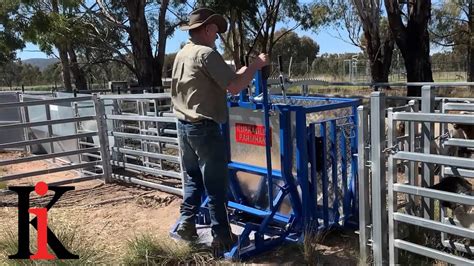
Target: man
[(200, 82)]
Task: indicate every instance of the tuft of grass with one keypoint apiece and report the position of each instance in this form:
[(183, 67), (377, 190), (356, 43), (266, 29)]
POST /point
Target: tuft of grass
[(310, 243), (70, 236), (149, 250)]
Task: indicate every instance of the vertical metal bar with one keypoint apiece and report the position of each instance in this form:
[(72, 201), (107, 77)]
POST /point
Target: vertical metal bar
[(24, 116), (354, 165), (77, 126), (335, 187), (103, 138), (413, 166), (392, 196), (364, 191), (302, 163), (50, 128), (286, 157), (379, 210), (157, 126), (325, 175), (313, 195), (262, 84), (427, 106), (346, 197)]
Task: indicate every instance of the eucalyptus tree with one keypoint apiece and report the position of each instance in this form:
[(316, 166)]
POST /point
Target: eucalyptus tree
[(408, 22)]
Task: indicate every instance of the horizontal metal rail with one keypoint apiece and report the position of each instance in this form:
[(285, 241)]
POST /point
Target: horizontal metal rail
[(144, 137), (144, 96), (133, 180), (459, 172), (76, 180), (152, 171), (430, 224), (92, 155), (47, 156), (435, 118), (42, 102), (459, 142), (142, 118), (432, 253), (458, 106), (88, 144), (48, 122), (435, 194), (170, 158), (49, 171), (456, 245), (436, 159), (46, 140)]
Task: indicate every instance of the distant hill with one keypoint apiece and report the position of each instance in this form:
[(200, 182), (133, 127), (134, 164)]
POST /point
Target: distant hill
[(42, 63)]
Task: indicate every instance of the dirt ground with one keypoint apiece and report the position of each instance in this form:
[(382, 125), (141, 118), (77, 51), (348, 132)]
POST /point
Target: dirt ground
[(110, 214)]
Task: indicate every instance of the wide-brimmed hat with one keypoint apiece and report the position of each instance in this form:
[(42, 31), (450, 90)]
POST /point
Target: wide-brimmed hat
[(204, 16)]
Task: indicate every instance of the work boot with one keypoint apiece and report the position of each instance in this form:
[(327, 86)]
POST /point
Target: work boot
[(222, 245), (187, 232)]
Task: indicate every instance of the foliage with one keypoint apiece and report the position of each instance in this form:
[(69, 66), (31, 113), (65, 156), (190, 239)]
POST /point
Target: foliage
[(299, 49), (10, 40)]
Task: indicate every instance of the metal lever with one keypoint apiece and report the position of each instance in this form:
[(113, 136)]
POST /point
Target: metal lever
[(281, 78)]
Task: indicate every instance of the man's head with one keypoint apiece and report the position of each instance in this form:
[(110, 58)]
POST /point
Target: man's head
[(204, 24)]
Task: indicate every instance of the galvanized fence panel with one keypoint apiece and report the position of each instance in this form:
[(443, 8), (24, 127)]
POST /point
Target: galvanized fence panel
[(145, 147), (87, 170)]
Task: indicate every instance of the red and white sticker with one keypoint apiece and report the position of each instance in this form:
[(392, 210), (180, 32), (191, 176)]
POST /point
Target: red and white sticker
[(251, 134)]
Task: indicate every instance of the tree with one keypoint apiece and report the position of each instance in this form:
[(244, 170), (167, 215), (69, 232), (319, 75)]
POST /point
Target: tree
[(302, 50), (253, 23), (131, 18), (408, 23), (9, 39), (378, 42), (453, 26)]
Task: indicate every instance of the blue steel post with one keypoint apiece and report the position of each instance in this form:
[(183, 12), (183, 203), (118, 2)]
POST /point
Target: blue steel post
[(325, 176), (302, 164), (354, 164), (286, 157), (262, 86), (333, 140), (313, 195), (346, 202)]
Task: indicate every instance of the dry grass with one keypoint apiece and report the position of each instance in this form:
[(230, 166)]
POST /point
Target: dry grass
[(71, 237), (150, 250)]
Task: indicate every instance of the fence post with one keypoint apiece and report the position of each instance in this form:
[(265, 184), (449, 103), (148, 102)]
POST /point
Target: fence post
[(427, 106), (363, 176), (379, 191), (103, 138), (392, 195)]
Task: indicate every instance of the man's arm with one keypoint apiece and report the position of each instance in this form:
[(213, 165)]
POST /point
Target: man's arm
[(245, 74)]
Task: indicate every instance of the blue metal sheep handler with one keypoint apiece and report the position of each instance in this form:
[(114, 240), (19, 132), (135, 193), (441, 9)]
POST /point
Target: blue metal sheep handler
[(306, 178)]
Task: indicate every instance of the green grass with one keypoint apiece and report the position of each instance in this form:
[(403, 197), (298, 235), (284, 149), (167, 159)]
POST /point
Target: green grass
[(70, 236), (149, 250)]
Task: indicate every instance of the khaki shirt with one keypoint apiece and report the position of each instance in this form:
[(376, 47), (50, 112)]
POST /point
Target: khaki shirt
[(198, 85)]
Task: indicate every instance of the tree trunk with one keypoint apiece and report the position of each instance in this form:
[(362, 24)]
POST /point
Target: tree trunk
[(412, 40), (77, 73), (62, 50), (470, 49), (417, 59), (160, 59), (141, 47), (65, 68)]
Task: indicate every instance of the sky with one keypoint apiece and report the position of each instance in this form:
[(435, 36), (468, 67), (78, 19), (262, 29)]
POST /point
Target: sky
[(327, 39)]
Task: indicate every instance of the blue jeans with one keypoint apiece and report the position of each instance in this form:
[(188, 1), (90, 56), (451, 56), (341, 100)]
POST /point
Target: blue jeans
[(205, 161)]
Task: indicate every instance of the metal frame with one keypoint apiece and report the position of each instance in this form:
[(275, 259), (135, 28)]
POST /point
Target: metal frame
[(388, 239), (50, 138), (275, 228)]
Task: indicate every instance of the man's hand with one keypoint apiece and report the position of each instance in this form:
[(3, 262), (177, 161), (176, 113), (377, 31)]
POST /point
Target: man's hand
[(262, 60)]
